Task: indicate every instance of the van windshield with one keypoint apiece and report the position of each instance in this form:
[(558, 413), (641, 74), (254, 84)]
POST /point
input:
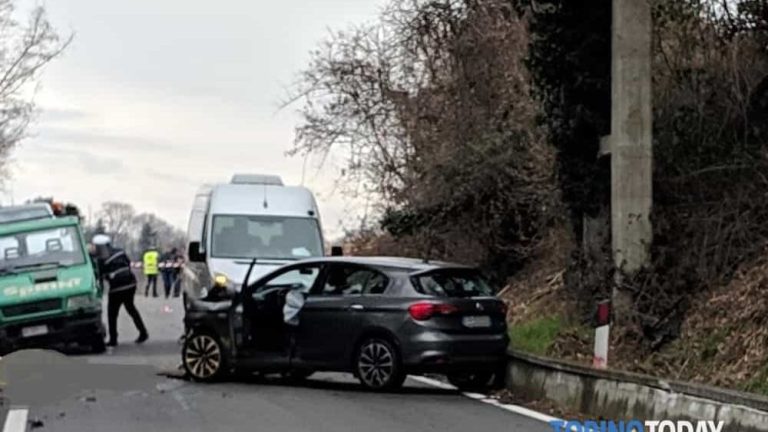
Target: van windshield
[(26, 250), (268, 237)]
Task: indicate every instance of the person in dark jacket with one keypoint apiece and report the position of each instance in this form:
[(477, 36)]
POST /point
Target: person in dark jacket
[(167, 271), (115, 269), (178, 266)]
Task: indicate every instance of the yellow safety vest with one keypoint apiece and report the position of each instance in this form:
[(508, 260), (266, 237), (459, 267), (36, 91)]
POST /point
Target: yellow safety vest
[(150, 262)]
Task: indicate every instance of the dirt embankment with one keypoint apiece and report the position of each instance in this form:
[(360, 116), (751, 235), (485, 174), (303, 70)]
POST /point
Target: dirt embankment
[(723, 340)]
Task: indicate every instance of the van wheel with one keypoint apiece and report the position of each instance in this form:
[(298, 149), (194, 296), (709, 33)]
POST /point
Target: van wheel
[(377, 365), (203, 357)]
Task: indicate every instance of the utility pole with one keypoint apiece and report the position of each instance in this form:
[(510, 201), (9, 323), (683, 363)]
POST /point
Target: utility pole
[(630, 145)]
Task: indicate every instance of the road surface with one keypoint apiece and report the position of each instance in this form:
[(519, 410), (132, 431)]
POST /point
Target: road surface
[(129, 389)]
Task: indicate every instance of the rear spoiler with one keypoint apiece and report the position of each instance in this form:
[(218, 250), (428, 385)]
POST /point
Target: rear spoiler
[(448, 267)]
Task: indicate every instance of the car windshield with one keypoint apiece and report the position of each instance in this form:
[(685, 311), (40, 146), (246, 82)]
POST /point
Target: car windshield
[(57, 246), (453, 283), (268, 237)]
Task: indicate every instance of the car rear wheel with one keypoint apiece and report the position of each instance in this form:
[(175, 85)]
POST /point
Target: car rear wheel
[(377, 365), (203, 357), (471, 380)]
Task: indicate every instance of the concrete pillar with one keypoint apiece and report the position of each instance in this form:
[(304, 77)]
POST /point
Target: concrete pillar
[(631, 136)]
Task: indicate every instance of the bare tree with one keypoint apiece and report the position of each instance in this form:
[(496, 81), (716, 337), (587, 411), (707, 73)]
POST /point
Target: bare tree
[(118, 219), (24, 50), (432, 106)]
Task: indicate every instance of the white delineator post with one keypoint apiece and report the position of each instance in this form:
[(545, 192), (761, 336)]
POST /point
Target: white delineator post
[(600, 358)]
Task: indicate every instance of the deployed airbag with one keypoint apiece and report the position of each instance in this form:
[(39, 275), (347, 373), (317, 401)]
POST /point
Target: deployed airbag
[(294, 301)]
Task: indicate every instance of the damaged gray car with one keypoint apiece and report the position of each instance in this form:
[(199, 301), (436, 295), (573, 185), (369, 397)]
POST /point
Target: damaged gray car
[(377, 318)]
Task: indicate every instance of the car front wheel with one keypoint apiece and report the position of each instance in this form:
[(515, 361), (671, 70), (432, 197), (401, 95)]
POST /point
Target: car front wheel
[(203, 357), (377, 365)]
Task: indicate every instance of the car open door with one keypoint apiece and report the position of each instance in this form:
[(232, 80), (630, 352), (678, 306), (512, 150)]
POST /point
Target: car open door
[(267, 337)]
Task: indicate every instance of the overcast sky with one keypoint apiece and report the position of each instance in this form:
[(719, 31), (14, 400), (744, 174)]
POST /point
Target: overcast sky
[(155, 97)]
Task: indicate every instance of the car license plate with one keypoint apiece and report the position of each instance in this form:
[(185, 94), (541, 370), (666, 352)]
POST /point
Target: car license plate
[(476, 321), (34, 331)]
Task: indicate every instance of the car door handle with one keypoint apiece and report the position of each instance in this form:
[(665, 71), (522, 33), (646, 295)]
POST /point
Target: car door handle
[(357, 307)]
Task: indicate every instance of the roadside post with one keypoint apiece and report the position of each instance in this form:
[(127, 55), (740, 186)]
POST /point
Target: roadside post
[(602, 332)]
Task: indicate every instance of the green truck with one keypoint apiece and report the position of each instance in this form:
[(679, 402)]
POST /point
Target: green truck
[(49, 292)]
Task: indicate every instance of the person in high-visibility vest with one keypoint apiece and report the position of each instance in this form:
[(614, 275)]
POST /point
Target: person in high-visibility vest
[(150, 270)]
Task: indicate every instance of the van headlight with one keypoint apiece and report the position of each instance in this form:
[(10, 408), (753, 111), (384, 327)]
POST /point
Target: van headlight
[(220, 280), (222, 283), (80, 302)]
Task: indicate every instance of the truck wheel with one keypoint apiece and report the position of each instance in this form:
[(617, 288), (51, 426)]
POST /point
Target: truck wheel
[(203, 357), (98, 345)]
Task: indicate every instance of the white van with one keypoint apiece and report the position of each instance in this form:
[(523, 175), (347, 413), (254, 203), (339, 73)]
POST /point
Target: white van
[(252, 217)]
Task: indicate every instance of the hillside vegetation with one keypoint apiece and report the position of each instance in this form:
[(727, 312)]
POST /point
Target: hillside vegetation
[(476, 125)]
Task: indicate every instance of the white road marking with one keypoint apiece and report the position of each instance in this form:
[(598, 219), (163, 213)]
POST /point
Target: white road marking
[(490, 401), (16, 421), (180, 399)]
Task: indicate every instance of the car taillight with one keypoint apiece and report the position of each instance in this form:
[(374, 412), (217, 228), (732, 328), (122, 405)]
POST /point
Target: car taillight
[(424, 310)]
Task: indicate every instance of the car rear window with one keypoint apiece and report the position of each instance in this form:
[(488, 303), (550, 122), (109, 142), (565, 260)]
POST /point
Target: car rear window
[(453, 283)]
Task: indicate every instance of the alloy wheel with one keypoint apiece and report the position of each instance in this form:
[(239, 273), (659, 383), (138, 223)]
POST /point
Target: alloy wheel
[(376, 364), (202, 357)]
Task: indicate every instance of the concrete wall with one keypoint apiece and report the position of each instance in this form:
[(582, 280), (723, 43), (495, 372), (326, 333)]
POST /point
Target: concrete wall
[(620, 395)]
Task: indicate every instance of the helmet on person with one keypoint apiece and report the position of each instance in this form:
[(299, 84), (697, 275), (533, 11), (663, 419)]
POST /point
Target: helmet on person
[(102, 243), (101, 240)]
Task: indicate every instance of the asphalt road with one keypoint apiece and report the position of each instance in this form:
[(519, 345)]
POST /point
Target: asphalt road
[(129, 389)]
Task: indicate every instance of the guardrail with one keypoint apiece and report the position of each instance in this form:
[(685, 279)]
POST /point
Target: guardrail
[(623, 395)]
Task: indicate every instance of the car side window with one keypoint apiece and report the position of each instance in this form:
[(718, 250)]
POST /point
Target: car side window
[(301, 278), (352, 281), (377, 284)]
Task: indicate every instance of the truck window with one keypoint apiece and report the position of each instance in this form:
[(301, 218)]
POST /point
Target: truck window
[(58, 246), (268, 237)]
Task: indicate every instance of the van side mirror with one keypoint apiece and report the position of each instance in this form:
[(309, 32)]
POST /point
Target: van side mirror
[(337, 251), (193, 252)]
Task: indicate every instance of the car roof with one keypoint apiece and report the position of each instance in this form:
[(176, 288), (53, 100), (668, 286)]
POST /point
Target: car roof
[(415, 265)]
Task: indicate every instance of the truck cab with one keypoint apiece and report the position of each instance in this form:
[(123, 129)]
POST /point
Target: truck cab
[(49, 293)]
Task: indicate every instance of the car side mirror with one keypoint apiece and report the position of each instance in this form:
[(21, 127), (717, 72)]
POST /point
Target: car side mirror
[(194, 253), (337, 251)]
